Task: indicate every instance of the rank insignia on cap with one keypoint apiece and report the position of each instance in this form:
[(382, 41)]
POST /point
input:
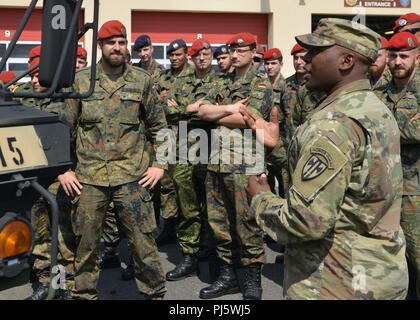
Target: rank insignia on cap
[(224, 50), (123, 32), (175, 45), (275, 55), (241, 41), (313, 168), (402, 22), (205, 45), (84, 55), (410, 42)]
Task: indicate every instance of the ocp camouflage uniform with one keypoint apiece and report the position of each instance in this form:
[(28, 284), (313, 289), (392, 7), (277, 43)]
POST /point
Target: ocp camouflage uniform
[(340, 220), (404, 104), (189, 178), (227, 205), (111, 157)]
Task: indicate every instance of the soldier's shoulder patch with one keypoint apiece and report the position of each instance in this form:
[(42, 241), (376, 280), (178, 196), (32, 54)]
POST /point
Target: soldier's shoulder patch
[(317, 167)]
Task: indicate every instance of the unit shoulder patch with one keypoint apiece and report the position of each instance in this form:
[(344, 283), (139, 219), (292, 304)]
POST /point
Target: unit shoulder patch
[(317, 167)]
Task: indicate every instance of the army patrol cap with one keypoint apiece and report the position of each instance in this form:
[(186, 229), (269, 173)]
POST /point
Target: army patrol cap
[(175, 45), (112, 28), (242, 40), (221, 50), (345, 33), (198, 45), (81, 53), (297, 48), (272, 54), (406, 20), (403, 41), (142, 41)]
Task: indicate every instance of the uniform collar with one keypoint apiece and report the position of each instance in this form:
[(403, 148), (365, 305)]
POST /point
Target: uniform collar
[(127, 74), (358, 85)]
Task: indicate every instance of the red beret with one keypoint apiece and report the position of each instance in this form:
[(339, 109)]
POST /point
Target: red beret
[(260, 49), (384, 43), (241, 40), (7, 76), (198, 45), (32, 64), (35, 53), (112, 28), (81, 53), (402, 41), (272, 54), (406, 19), (297, 48)]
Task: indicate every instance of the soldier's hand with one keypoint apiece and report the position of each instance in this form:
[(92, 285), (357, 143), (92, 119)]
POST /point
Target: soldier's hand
[(193, 107), (151, 177), (163, 95), (270, 129), (172, 103), (236, 107), (69, 183), (256, 185)]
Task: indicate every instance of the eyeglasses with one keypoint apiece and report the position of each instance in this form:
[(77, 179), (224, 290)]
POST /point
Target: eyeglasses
[(238, 50), (412, 31)]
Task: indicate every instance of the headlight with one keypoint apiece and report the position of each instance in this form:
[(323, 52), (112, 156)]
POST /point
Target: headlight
[(15, 239)]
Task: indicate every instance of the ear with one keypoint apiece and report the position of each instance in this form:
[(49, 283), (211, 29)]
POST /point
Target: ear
[(100, 44), (346, 61), (417, 58)]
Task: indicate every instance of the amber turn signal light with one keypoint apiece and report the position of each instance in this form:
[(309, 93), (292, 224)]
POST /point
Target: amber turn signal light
[(15, 239)]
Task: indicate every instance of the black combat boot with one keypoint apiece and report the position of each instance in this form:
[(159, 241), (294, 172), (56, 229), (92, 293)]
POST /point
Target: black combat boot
[(109, 258), (168, 234), (129, 273), (226, 283), (64, 294), (252, 285), (40, 293), (188, 267)]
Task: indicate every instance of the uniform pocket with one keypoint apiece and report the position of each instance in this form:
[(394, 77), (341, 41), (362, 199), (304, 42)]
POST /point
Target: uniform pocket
[(146, 216), (92, 111), (131, 105)]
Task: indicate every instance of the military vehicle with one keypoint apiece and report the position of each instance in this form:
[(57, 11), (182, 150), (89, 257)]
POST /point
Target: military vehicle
[(35, 145)]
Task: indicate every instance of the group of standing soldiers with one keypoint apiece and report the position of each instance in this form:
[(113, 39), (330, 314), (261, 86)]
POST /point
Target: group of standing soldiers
[(346, 164)]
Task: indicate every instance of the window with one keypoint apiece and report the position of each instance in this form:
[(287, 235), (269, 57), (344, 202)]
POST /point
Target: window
[(18, 60)]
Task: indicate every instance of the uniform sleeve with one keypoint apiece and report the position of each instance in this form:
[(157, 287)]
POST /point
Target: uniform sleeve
[(319, 182), (155, 120), (408, 119), (177, 113), (261, 98)]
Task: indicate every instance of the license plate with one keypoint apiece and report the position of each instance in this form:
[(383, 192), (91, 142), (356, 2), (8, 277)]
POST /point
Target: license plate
[(20, 148)]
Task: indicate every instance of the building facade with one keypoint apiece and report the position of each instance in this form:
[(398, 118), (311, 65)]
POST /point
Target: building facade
[(274, 22)]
